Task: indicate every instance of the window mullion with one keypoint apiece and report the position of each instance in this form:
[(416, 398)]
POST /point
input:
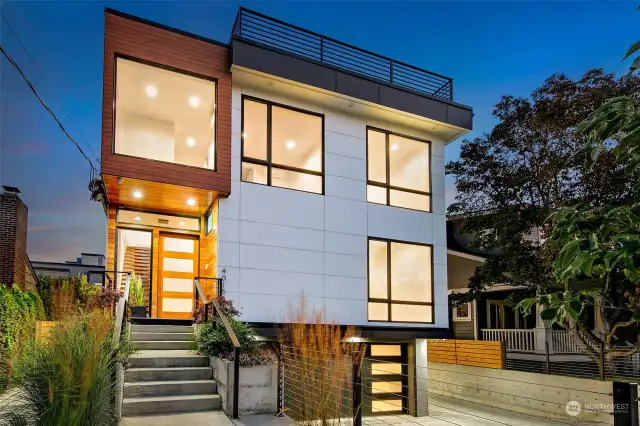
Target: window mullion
[(389, 281), (269, 130), (388, 167)]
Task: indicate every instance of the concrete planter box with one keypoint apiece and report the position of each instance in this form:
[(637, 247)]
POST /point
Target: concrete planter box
[(258, 393)]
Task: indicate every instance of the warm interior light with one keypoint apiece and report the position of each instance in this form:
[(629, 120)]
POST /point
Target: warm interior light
[(181, 223), (137, 194), (394, 147), (244, 135), (191, 202), (191, 141), (290, 144), (151, 91), (138, 218), (194, 101)]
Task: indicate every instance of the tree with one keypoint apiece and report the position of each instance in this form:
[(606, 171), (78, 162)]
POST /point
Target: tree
[(511, 180), (601, 243)]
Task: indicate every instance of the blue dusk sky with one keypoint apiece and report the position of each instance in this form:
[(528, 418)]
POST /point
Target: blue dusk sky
[(488, 48)]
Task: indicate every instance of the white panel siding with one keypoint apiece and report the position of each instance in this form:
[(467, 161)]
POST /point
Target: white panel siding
[(281, 244)]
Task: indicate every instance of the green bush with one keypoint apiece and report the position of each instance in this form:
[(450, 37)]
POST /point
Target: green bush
[(19, 311), (68, 379), (64, 297), (136, 291), (211, 339)]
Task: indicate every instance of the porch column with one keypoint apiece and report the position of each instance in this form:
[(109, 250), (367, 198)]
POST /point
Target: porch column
[(542, 331)]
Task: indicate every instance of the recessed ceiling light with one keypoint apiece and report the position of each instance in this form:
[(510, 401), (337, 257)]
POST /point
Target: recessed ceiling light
[(137, 194), (394, 147), (181, 223), (151, 91), (138, 218), (244, 135), (194, 101), (191, 141), (191, 202), (290, 144)]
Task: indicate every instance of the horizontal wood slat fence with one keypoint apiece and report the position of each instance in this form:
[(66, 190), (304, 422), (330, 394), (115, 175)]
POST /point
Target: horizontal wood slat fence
[(476, 353)]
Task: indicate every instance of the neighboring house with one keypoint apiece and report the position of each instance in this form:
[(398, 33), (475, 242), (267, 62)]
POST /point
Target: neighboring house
[(488, 317), (284, 162), (91, 265), (15, 267)]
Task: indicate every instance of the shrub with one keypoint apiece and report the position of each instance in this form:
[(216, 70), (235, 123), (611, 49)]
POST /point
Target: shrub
[(69, 379), (136, 291), (19, 311), (211, 339), (66, 297)]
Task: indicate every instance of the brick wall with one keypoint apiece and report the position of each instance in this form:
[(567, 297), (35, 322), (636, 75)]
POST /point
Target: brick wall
[(13, 239)]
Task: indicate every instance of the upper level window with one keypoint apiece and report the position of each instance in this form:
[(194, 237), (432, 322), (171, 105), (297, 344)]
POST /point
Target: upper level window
[(398, 170), (400, 282), (164, 115), (282, 146)]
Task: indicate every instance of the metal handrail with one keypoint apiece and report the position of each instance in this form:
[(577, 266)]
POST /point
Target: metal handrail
[(121, 312), (275, 34), (217, 310)]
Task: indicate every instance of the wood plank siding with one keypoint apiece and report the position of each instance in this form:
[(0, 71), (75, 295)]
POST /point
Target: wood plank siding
[(131, 38)]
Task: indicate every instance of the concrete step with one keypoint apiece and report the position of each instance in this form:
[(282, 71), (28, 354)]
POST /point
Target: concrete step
[(139, 337), (164, 374), (140, 328), (172, 387), (167, 360), (169, 404), (161, 344)]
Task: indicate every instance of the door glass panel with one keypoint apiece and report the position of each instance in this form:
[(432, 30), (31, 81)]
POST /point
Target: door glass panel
[(178, 244), (386, 387), (170, 304), (177, 284), (386, 405), (386, 350), (177, 265), (385, 368)]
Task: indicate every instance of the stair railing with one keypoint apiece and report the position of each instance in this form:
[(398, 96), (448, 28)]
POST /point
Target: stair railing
[(216, 310), (121, 312)]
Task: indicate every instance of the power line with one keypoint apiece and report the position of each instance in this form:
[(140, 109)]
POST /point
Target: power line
[(24, 77), (48, 85)]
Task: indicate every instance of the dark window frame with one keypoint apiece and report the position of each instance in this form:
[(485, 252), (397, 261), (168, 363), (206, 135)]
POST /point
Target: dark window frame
[(268, 163), (389, 301), (171, 69), (387, 185)]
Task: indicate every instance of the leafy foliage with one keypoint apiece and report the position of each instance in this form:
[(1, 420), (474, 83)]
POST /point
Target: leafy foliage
[(67, 380), (511, 180), (136, 291), (211, 338), (19, 312)]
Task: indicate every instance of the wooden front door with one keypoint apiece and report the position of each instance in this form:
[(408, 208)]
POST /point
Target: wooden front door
[(176, 270)]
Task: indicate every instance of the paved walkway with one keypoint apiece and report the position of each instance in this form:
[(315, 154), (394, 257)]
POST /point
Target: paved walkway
[(205, 418), (444, 411)]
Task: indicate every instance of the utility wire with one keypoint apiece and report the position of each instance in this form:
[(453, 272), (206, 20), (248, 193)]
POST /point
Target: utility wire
[(24, 77), (48, 85)]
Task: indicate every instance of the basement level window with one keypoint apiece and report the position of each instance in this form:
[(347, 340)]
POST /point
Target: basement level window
[(164, 115)]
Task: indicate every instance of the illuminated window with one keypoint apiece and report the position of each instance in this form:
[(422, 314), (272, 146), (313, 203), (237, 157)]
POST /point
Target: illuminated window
[(398, 170), (282, 146), (400, 282), (164, 115)]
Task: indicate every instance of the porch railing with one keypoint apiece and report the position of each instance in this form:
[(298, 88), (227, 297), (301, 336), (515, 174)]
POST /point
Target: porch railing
[(216, 310), (563, 341), (515, 340), (280, 36)]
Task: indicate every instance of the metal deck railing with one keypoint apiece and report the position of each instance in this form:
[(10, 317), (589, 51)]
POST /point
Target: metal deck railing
[(277, 35)]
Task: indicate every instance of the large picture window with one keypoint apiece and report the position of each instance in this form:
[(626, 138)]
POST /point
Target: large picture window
[(400, 282), (282, 146), (398, 170), (164, 115)]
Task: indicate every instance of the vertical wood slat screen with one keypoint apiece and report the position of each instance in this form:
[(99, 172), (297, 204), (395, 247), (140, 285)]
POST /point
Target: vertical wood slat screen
[(476, 353)]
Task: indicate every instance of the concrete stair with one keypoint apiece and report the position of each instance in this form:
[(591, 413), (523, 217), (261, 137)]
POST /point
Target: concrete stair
[(164, 376)]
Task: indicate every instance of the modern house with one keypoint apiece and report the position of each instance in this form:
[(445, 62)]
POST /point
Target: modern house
[(287, 164), (90, 264)]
